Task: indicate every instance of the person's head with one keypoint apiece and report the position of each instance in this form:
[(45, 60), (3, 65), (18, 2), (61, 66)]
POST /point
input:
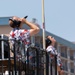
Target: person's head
[(14, 21), (50, 41)]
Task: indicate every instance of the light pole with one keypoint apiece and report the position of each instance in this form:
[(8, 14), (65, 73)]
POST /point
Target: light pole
[(43, 26)]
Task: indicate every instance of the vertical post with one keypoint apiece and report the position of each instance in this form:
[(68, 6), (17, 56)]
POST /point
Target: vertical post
[(43, 24), (15, 59), (68, 62), (55, 64), (9, 61), (2, 48), (2, 51)]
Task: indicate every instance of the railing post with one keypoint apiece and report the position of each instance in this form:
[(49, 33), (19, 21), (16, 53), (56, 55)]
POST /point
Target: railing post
[(9, 61), (15, 60), (55, 64)]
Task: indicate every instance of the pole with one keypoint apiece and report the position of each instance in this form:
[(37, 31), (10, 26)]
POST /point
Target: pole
[(43, 25)]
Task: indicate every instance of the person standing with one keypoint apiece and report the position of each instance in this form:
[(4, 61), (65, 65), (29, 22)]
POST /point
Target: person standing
[(20, 34), (50, 43), (16, 23)]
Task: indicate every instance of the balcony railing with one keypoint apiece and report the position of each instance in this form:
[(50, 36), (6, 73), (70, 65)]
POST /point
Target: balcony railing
[(34, 61)]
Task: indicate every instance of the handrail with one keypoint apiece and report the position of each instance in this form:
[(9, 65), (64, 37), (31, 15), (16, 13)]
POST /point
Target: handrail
[(37, 56)]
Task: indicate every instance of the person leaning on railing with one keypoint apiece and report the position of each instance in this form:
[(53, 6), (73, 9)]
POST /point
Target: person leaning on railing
[(19, 33), (50, 43)]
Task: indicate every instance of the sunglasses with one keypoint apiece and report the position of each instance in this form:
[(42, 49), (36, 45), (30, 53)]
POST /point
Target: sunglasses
[(52, 37)]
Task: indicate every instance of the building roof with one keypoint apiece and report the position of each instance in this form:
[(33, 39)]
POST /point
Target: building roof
[(4, 21), (59, 39)]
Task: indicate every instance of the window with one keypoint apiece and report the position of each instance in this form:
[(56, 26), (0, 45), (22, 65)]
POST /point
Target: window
[(63, 51), (72, 67), (71, 55)]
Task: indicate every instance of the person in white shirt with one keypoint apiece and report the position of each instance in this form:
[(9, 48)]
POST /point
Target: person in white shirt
[(50, 43), (20, 34)]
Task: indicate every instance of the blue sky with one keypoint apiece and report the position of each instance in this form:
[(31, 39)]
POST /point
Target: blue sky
[(59, 14)]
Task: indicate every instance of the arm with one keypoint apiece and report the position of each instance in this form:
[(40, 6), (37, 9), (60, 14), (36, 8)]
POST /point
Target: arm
[(33, 28)]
